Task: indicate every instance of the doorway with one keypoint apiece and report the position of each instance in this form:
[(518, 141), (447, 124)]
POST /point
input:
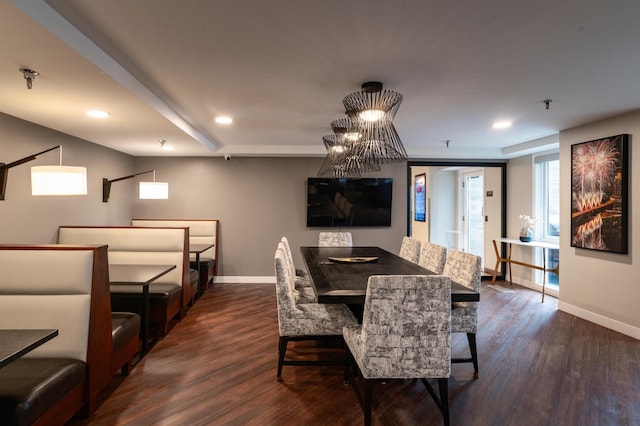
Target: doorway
[(472, 182), (466, 206)]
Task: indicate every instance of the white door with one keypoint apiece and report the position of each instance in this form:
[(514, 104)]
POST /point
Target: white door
[(473, 212)]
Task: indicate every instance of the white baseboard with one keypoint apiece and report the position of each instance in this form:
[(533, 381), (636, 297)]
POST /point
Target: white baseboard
[(244, 280), (606, 322)]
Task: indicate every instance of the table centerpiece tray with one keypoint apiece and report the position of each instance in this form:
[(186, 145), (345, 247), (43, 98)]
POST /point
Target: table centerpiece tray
[(354, 259)]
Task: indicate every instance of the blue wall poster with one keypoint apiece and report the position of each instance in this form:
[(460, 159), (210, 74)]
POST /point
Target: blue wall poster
[(420, 198)]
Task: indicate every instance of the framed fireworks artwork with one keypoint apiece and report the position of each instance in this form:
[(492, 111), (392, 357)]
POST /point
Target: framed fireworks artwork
[(599, 194)]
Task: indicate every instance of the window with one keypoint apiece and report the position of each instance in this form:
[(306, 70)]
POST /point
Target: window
[(547, 207), (547, 170)]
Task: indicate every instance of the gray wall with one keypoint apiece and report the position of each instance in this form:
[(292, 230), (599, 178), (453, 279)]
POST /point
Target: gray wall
[(598, 286), (32, 220), (260, 199), (257, 200)]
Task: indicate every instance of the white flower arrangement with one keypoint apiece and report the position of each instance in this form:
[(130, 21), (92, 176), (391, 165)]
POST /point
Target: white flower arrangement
[(528, 221)]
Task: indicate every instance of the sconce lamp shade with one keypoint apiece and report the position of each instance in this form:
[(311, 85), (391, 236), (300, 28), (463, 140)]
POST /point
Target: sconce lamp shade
[(58, 180), (154, 190), (148, 190), (49, 180)]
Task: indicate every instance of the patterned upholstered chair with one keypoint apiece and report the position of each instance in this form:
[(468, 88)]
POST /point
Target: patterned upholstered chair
[(335, 239), (410, 249), (464, 268), (303, 291), (298, 272), (405, 334), (312, 321), (433, 257)]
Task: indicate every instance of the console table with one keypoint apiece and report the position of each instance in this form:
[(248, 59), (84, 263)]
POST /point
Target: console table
[(535, 244)]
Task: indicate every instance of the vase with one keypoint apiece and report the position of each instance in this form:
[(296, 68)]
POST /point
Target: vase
[(525, 235)]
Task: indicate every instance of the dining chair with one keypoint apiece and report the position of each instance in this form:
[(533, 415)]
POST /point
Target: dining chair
[(410, 249), (405, 334), (335, 239), (303, 290), (464, 268), (308, 321), (298, 272), (433, 257)]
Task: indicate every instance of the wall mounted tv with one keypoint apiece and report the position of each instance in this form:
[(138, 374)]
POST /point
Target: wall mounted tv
[(349, 202)]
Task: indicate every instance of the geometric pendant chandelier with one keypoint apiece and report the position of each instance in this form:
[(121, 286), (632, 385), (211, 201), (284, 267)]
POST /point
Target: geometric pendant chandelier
[(372, 111), (343, 160), (367, 138)]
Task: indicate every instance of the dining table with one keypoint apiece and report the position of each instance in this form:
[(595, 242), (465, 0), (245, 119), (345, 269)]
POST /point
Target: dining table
[(142, 276), (14, 343), (198, 249), (341, 274)]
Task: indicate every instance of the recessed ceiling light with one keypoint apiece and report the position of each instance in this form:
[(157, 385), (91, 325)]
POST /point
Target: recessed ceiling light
[(94, 113), (224, 120), (501, 124)]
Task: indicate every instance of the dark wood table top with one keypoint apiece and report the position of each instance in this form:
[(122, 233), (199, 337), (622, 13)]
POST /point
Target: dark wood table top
[(15, 343), (137, 274), (200, 247), (347, 282)]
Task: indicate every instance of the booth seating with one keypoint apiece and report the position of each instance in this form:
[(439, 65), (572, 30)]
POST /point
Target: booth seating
[(171, 294), (201, 231), (64, 288), (125, 333)]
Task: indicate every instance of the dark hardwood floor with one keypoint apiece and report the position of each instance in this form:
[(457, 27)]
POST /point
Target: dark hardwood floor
[(538, 366)]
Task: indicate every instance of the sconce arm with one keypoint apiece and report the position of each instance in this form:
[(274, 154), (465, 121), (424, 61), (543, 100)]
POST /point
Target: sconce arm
[(4, 169), (106, 183)]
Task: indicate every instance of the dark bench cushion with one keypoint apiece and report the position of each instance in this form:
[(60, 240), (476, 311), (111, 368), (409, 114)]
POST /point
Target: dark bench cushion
[(159, 295), (164, 302), (207, 266), (29, 387), (124, 327), (194, 277)]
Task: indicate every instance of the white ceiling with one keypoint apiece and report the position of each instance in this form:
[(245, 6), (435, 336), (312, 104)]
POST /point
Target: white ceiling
[(281, 68)]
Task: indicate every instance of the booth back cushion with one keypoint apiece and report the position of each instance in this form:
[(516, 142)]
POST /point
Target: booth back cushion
[(200, 231), (46, 290), (142, 246)]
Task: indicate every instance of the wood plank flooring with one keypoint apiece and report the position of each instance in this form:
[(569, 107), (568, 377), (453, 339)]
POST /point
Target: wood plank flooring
[(538, 366)]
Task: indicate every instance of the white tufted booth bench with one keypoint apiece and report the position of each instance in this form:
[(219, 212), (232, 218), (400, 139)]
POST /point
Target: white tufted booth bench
[(201, 231), (170, 295), (64, 288)]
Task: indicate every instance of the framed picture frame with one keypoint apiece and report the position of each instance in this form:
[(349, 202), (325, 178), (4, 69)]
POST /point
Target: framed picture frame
[(599, 194), (420, 198)]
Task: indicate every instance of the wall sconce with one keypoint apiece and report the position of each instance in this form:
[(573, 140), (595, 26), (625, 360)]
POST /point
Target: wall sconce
[(148, 190), (49, 180)]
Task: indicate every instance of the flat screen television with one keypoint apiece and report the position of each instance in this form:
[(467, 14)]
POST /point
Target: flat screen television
[(349, 202)]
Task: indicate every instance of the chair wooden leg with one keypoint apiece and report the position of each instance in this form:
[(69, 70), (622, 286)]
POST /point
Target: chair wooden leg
[(471, 337), (347, 363), (443, 385), (366, 406), (282, 348)]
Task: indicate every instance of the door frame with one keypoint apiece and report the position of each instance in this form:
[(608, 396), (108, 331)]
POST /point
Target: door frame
[(502, 164)]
